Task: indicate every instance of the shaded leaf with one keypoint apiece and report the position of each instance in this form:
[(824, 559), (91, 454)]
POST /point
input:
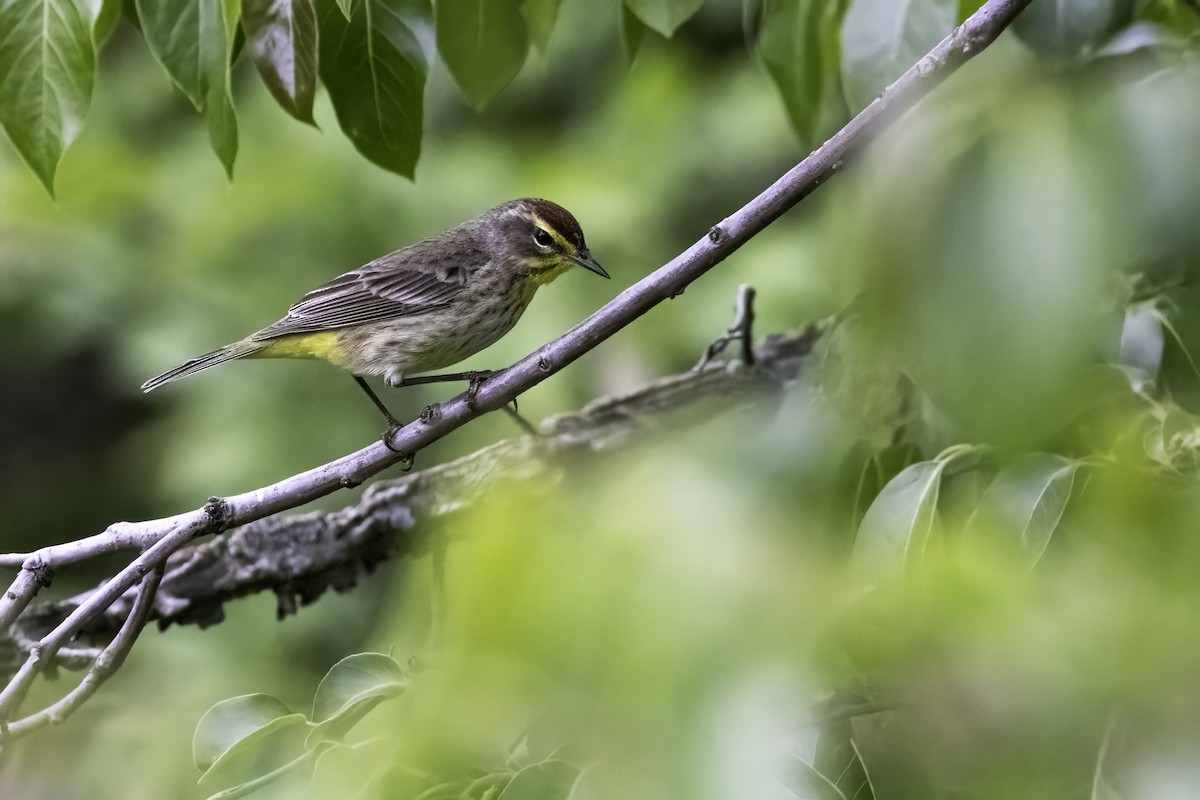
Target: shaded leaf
[(234, 725), (548, 779), (192, 39), (795, 41), (282, 38), (188, 37), (483, 43), (1065, 28), (838, 759), (47, 66), (633, 32), (1027, 500), (664, 16), (540, 16), (374, 68), (899, 523), (345, 6), (881, 39), (350, 689)]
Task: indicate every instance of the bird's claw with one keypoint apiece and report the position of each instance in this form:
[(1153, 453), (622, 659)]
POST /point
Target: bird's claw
[(406, 458), (476, 381)]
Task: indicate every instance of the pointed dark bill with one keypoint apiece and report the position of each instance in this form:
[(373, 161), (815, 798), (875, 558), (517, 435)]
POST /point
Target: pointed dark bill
[(586, 261)]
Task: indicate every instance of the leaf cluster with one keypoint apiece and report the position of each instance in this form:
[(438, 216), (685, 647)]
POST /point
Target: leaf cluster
[(827, 58)]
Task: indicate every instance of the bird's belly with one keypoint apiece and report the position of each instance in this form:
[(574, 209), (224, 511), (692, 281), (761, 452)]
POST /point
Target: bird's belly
[(411, 345)]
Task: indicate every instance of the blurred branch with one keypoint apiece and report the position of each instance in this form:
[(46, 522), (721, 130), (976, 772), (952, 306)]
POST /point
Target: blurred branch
[(299, 557), (159, 539)]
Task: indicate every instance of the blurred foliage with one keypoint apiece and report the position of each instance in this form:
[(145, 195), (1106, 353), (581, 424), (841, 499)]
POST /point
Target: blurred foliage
[(827, 57), (960, 560)]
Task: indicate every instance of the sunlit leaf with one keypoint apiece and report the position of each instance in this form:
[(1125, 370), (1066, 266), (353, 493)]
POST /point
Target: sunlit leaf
[(235, 725), (483, 42), (1067, 27), (664, 16), (898, 525), (47, 65), (883, 38), (282, 38), (540, 16), (1027, 500), (374, 68)]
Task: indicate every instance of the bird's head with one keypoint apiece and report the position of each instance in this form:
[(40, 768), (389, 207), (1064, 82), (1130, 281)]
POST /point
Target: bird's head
[(544, 238)]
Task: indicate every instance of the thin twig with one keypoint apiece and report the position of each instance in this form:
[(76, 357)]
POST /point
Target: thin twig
[(108, 662), (741, 330), (168, 535)]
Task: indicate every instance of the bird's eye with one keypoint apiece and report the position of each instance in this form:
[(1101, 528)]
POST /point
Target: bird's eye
[(542, 239)]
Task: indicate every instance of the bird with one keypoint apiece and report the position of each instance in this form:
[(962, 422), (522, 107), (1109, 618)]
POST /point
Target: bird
[(423, 307)]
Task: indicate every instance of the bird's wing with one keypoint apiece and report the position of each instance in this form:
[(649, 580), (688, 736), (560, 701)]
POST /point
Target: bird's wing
[(377, 291)]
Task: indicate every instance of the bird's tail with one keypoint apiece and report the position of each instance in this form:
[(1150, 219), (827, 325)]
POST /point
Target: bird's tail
[(227, 353)]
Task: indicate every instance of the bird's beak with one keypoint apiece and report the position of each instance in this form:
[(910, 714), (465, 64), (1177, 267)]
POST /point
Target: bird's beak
[(585, 260)]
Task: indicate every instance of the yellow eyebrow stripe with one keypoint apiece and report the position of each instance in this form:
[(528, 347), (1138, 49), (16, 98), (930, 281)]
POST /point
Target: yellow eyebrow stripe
[(550, 229)]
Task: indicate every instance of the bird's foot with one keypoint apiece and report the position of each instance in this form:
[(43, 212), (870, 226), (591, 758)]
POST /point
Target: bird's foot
[(406, 458), (476, 380)]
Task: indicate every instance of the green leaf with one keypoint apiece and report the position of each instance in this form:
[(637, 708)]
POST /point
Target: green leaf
[(188, 37), (633, 32), (548, 779), (192, 39), (282, 38), (1027, 500), (881, 39), (222, 128), (104, 15), (1065, 28), (540, 16), (374, 69), (898, 525), (1142, 341), (345, 6), (483, 43), (838, 759), (664, 16), (234, 725), (350, 689), (805, 782), (795, 41), (47, 65)]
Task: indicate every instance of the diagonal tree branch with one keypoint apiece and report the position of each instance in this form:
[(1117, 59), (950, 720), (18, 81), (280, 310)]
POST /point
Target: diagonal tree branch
[(300, 556), (158, 539)]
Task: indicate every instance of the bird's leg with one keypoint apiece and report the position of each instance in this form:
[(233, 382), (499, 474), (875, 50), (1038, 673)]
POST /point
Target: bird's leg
[(394, 425), (475, 380), (525, 424), (475, 376), (392, 421)]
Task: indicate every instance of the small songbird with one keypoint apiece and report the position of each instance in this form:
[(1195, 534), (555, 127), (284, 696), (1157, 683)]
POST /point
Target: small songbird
[(425, 306)]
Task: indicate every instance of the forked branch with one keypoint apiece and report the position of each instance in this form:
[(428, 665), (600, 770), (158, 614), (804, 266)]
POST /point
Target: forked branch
[(158, 539)]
